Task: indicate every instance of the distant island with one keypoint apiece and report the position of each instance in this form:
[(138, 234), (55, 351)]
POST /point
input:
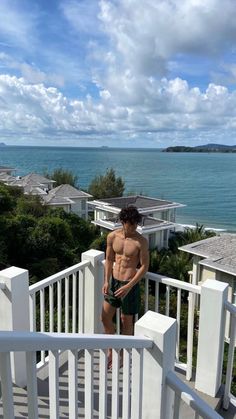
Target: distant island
[(208, 148), (2, 145)]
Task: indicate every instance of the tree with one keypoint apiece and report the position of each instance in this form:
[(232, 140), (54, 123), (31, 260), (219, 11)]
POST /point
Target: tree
[(107, 186), (62, 177)]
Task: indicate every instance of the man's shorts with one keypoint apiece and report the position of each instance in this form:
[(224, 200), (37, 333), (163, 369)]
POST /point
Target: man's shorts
[(130, 303)]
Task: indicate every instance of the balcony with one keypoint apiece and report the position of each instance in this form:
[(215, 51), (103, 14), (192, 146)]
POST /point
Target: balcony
[(53, 354)]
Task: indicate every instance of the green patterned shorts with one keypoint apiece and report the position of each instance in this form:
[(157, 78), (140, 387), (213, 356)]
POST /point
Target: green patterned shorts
[(130, 303)]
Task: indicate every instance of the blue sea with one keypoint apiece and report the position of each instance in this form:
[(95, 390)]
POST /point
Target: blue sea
[(204, 182)]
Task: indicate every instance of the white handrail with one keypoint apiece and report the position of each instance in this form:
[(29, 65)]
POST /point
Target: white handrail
[(56, 277), (185, 393), (173, 282), (230, 362), (37, 341)]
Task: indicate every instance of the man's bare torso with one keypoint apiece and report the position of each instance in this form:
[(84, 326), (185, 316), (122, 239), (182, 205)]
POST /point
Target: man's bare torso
[(126, 253)]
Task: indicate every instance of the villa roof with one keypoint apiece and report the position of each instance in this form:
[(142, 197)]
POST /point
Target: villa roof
[(36, 179), (143, 203), (68, 191), (6, 169), (50, 199), (147, 225), (218, 251)]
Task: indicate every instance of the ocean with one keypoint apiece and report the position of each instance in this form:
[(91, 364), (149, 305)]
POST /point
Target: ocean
[(204, 182)]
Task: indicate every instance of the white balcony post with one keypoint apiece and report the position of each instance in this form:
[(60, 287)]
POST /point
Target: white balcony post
[(94, 278), (158, 398), (211, 336), (14, 314)]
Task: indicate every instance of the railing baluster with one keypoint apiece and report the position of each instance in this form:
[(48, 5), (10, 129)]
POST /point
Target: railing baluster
[(59, 306), (73, 384), (176, 406), (81, 301), (157, 296), (137, 379), (115, 383), (66, 304), (54, 384), (103, 384), (190, 332), (42, 318), (32, 390), (51, 308), (118, 321), (230, 362), (167, 300), (88, 388), (178, 322), (74, 304), (6, 384), (126, 385), (146, 294), (32, 308)]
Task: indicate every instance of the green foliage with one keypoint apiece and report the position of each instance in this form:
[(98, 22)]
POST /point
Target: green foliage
[(189, 235), (6, 200), (100, 243), (31, 205), (63, 176), (39, 239), (107, 186)]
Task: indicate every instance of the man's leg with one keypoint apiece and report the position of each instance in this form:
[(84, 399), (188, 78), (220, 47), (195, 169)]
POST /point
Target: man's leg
[(108, 312), (127, 321)]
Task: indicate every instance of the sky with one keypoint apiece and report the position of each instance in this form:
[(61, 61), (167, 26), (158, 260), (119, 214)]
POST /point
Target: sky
[(119, 73)]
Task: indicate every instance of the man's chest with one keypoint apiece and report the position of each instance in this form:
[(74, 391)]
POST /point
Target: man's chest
[(127, 247)]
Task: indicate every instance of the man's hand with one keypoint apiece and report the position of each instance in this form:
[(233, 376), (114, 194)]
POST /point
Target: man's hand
[(123, 291), (105, 288)]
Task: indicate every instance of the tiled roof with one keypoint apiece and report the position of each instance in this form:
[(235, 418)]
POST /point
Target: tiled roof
[(68, 191), (56, 200), (139, 201), (6, 169), (35, 178), (219, 251)]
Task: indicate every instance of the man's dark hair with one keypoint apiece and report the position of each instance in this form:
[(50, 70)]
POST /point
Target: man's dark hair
[(130, 214)]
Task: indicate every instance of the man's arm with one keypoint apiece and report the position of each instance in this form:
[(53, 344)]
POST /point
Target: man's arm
[(110, 258), (144, 262)]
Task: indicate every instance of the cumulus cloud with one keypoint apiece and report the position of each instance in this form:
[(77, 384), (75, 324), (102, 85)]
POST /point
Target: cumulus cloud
[(139, 58), (35, 109)]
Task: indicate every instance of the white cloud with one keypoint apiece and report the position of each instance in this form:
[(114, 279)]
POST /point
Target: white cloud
[(35, 109), (129, 50), (81, 15), (17, 26)]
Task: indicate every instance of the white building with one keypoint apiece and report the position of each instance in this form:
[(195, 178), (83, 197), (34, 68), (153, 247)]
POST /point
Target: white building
[(158, 216), (215, 258), (69, 198), (64, 196), (33, 183)]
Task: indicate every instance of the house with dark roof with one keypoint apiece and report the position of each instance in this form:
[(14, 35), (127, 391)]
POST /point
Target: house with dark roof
[(69, 198), (158, 216), (215, 258), (33, 183)]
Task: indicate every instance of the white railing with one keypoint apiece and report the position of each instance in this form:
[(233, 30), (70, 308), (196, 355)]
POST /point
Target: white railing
[(57, 302), (30, 342), (190, 398), (231, 308), (178, 287)]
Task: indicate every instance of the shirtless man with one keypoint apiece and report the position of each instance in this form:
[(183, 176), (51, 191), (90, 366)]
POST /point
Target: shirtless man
[(128, 249)]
